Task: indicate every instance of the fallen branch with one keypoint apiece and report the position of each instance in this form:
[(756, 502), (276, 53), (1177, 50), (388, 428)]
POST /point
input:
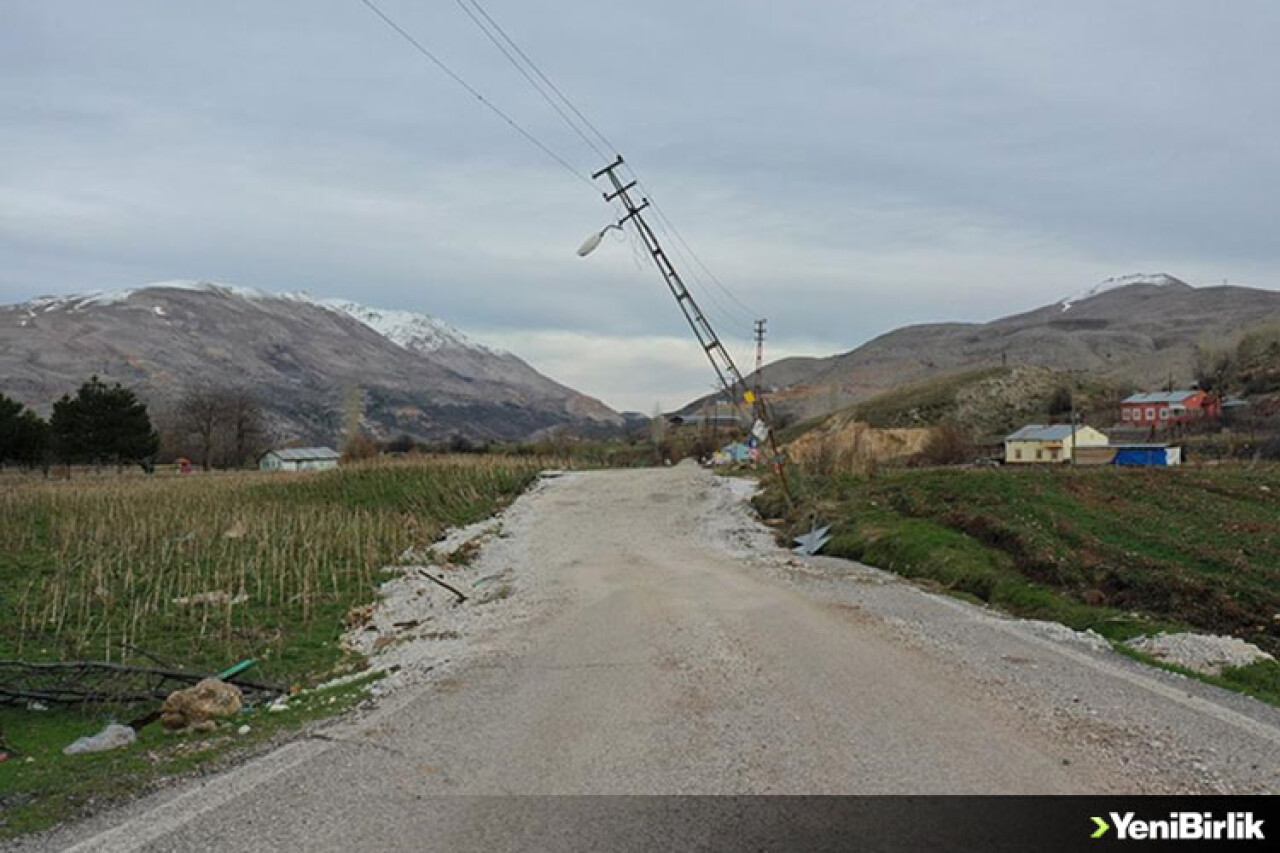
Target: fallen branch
[(92, 682), (425, 574)]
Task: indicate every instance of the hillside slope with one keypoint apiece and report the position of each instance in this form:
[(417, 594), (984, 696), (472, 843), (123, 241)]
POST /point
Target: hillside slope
[(299, 355), (1137, 329)]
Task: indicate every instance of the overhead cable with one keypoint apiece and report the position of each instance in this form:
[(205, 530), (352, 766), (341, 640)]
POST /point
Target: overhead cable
[(439, 63)]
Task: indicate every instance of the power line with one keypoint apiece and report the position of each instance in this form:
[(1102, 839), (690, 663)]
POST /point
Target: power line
[(511, 54), (536, 70), (515, 63), (664, 221), (662, 216), (439, 63)]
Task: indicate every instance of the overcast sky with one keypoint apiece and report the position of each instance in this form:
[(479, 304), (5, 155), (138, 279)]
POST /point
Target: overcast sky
[(842, 167)]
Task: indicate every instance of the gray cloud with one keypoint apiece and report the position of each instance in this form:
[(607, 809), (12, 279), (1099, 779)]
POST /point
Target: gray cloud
[(844, 167)]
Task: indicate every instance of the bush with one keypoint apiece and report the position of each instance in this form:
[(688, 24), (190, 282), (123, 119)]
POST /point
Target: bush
[(948, 444)]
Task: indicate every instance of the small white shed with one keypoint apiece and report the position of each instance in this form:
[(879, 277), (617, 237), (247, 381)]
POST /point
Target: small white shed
[(299, 459)]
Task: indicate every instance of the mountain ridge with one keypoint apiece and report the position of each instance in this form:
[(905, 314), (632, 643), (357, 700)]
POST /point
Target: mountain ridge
[(1141, 329), (301, 355)]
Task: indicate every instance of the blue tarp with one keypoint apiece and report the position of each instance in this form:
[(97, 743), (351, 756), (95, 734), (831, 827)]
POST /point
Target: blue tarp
[(1142, 456)]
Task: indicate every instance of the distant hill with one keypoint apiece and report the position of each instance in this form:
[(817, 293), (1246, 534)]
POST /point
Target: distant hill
[(300, 355), (1137, 329)]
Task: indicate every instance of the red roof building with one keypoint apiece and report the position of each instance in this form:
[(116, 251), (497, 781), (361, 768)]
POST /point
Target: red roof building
[(1164, 408)]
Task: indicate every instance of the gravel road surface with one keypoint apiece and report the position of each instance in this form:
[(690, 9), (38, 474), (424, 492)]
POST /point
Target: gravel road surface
[(656, 641)]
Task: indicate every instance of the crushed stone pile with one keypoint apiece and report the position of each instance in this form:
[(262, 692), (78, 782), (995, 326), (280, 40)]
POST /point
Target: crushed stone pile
[(1207, 654)]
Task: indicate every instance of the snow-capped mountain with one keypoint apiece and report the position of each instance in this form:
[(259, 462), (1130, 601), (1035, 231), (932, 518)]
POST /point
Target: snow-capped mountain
[(1154, 279), (418, 332), (301, 355), (1140, 330)]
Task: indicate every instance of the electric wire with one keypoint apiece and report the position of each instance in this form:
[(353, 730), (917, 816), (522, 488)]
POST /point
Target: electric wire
[(439, 63), (682, 247), (751, 315), (694, 261), (538, 71), (515, 63)]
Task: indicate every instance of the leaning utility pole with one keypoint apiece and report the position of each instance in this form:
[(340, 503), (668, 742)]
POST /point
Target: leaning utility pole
[(726, 371)]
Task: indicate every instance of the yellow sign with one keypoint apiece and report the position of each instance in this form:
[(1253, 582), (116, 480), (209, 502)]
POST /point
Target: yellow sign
[(750, 396)]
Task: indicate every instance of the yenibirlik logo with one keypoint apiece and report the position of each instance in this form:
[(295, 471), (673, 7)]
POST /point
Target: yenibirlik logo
[(1182, 826)]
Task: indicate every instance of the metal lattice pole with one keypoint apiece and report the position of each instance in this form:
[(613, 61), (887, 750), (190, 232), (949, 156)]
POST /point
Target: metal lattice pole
[(726, 371)]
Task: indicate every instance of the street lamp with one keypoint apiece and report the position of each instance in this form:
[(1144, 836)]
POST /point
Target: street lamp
[(589, 245)]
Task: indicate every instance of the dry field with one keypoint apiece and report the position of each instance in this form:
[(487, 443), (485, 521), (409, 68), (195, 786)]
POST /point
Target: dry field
[(206, 569)]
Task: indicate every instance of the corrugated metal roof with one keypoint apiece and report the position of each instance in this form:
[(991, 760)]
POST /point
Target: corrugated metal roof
[(1161, 397), (1040, 432), (304, 454)]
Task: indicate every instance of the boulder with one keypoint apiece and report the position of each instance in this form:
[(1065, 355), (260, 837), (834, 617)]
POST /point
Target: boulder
[(196, 708)]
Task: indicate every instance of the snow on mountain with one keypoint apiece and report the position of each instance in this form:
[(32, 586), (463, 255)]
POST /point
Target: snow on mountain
[(1158, 279), (100, 298), (419, 333), (420, 376), (416, 332)]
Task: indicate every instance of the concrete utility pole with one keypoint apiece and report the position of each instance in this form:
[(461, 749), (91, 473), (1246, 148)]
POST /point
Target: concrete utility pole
[(759, 354), (726, 371)]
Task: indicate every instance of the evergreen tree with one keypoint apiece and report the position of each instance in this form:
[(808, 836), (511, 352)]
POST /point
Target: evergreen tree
[(24, 436), (102, 424)]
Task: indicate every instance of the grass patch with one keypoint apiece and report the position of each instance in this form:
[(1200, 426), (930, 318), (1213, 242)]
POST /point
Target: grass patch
[(202, 571), (1123, 552), (40, 787), (208, 570)]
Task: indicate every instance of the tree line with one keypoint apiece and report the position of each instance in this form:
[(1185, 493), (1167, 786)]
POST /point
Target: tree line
[(106, 424)]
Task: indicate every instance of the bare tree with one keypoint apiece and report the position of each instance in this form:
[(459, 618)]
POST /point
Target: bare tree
[(948, 443), (1212, 369), (218, 426), (196, 423), (244, 428), (657, 425), (355, 444)]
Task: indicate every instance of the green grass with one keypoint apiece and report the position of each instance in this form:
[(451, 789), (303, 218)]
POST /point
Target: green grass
[(40, 787), (93, 570), (97, 569), (1121, 552)]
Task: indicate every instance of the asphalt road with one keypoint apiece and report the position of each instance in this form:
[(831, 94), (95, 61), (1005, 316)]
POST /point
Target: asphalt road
[(666, 647)]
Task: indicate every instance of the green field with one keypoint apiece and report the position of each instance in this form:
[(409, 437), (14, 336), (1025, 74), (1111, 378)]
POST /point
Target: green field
[(1121, 551), (202, 571)]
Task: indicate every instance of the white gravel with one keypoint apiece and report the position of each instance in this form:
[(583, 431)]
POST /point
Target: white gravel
[(419, 629), (1209, 654)]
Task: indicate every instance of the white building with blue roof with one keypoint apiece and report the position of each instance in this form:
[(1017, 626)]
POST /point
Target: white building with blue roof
[(1049, 444), (299, 459)]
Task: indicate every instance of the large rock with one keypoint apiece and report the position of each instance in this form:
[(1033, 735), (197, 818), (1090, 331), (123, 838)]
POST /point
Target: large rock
[(195, 708)]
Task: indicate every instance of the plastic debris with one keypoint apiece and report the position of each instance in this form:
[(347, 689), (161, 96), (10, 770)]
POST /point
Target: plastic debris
[(812, 542), (113, 736)]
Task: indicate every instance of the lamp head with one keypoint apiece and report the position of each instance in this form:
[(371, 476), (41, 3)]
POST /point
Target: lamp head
[(589, 245)]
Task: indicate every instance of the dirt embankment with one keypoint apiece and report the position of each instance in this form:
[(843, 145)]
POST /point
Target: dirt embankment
[(854, 447)]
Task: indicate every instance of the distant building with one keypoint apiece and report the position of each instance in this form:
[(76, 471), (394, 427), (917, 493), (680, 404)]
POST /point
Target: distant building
[(1048, 444), (299, 459), (1168, 407)]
